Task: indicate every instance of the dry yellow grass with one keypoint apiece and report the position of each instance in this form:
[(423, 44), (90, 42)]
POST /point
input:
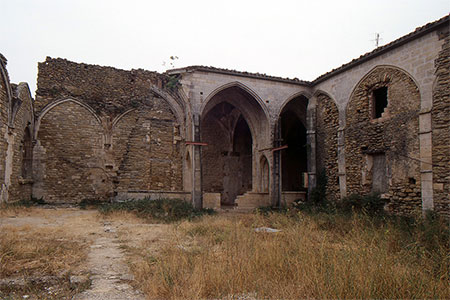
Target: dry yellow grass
[(30, 251), (40, 249), (219, 256)]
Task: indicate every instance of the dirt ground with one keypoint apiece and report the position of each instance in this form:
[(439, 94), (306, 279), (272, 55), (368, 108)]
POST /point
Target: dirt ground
[(107, 241)]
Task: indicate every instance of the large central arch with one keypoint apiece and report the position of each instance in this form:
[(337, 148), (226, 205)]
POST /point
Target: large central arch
[(234, 124)]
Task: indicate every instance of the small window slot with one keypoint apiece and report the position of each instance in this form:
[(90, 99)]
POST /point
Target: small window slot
[(380, 101)]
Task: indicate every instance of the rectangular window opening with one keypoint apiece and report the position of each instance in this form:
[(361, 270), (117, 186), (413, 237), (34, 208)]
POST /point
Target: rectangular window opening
[(380, 101)]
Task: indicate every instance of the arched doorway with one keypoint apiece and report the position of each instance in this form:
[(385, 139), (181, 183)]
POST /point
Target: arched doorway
[(228, 125), (293, 134)]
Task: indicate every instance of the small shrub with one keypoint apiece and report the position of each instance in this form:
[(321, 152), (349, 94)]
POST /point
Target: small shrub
[(173, 82), (433, 231), (165, 210), (32, 201), (319, 193), (266, 210), (317, 199), (88, 202), (370, 204)]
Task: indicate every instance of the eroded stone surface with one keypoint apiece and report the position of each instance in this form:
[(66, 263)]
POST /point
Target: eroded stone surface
[(110, 275)]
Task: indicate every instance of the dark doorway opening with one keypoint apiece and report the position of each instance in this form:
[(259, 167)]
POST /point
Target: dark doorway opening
[(293, 134), (227, 160)]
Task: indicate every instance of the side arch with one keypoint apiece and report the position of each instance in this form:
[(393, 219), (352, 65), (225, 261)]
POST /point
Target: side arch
[(321, 92), (292, 131), (287, 100), (119, 117), (54, 104), (372, 71), (381, 138), (69, 155), (177, 107)]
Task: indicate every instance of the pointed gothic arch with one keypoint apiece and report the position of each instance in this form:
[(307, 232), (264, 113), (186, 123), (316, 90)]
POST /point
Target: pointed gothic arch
[(233, 124)]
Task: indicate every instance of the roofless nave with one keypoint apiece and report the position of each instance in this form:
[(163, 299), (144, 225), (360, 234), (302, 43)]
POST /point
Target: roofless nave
[(221, 137)]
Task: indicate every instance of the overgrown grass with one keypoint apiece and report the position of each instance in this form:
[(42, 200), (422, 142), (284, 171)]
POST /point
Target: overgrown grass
[(30, 202), (322, 255), (39, 263), (161, 210)]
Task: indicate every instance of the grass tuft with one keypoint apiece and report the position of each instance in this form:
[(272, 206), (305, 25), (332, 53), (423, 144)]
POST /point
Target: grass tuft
[(39, 263), (162, 210)]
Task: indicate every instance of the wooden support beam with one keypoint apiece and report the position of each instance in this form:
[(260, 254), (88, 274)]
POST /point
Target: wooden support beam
[(279, 148), (196, 143)]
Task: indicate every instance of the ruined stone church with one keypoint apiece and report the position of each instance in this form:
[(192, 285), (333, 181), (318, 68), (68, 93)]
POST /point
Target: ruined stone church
[(218, 137)]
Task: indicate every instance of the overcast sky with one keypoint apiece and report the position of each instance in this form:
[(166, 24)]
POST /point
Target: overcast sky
[(302, 39)]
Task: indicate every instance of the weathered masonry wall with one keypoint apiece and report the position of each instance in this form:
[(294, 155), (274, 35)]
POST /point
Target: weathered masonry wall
[(4, 108), (16, 124), (108, 91), (146, 150), (441, 131), (102, 131), (393, 137), (21, 144), (404, 151), (327, 124), (68, 156)]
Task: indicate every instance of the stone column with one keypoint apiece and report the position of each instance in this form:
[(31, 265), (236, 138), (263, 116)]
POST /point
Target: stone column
[(10, 139), (311, 142), (276, 169), (426, 167), (341, 153), (197, 188), (341, 163)]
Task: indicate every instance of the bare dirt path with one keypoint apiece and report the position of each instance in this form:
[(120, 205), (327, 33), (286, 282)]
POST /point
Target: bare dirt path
[(106, 261), (110, 274)]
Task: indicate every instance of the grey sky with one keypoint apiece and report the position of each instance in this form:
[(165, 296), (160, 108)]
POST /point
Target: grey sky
[(302, 39)]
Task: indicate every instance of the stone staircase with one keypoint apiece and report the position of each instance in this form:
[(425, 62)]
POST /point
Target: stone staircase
[(252, 200)]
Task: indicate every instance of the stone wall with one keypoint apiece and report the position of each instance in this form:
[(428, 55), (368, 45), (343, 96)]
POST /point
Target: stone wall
[(441, 131), (20, 179), (16, 114), (103, 131), (107, 90), (68, 156), (4, 107), (147, 150), (394, 136), (327, 124)]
